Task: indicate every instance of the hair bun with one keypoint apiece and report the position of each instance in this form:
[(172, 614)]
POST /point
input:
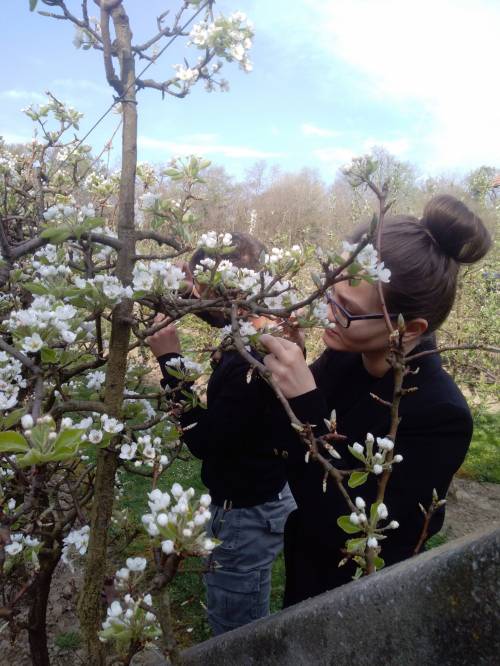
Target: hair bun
[(459, 233)]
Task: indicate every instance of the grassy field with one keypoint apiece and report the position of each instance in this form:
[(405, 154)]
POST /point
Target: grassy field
[(187, 591)]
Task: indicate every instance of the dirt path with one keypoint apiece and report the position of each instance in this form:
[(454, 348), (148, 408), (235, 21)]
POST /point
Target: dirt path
[(471, 507)]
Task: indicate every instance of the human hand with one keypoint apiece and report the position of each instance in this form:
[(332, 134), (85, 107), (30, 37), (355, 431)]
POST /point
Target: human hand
[(292, 332), (288, 366), (190, 289), (166, 340)]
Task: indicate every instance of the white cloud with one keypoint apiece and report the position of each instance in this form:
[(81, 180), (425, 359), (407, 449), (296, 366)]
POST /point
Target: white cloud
[(28, 95), (439, 57), (189, 147), (308, 129)]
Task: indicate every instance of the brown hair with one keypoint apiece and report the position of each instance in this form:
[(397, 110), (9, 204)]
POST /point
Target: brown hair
[(424, 257)]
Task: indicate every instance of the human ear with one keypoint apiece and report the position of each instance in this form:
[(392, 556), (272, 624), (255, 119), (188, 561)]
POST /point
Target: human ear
[(414, 329)]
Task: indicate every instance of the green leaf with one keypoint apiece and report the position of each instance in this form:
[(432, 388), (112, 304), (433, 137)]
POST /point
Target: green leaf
[(344, 523), (49, 355), (12, 442), (68, 440), (357, 479), (373, 512), (12, 418), (379, 563), (36, 288), (171, 172), (33, 5), (57, 234), (356, 544)]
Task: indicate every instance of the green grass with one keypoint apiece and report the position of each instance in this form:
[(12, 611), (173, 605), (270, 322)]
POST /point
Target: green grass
[(483, 459), (70, 640), (437, 540)]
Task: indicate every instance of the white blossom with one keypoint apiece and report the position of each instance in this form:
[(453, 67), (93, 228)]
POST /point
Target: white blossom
[(13, 548), (136, 563), (382, 511), (360, 503)]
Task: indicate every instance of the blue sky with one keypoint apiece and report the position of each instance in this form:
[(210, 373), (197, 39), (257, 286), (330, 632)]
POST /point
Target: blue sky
[(331, 78)]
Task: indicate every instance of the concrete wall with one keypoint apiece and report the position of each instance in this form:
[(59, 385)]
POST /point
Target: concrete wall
[(441, 608)]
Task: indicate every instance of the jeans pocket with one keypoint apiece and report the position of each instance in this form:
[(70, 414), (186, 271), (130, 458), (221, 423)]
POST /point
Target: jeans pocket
[(233, 597), (276, 525)]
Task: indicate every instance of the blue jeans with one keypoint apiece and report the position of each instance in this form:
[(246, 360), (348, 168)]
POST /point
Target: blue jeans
[(239, 581)]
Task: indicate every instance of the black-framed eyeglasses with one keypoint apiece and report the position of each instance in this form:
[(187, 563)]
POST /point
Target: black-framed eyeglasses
[(343, 317)]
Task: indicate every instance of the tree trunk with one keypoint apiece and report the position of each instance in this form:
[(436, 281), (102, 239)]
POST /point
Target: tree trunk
[(90, 605), (37, 629)]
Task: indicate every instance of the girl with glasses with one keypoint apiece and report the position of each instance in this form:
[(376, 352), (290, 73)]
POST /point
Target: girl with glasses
[(424, 256)]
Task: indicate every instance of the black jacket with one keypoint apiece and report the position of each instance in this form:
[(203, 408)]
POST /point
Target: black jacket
[(233, 435), (433, 437)]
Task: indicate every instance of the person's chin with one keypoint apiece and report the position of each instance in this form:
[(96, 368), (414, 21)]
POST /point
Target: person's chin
[(333, 339)]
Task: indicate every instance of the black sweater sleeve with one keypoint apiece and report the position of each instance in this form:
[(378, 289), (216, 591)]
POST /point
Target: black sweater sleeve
[(234, 405)]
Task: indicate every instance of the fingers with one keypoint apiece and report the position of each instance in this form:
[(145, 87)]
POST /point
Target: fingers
[(273, 344), (280, 347)]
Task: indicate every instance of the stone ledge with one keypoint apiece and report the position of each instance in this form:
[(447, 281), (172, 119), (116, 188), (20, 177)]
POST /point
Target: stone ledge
[(440, 608)]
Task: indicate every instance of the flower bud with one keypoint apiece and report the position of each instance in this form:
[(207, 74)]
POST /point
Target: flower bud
[(372, 542), (382, 511), (393, 525), (167, 546), (27, 422), (360, 503), (354, 518), (378, 469)]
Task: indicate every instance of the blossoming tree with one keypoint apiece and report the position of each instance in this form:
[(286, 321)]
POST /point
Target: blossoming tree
[(88, 262)]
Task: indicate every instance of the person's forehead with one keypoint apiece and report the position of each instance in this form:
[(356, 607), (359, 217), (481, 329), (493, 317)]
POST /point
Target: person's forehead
[(364, 294)]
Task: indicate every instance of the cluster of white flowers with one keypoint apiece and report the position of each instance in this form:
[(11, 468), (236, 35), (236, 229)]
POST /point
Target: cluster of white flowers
[(187, 75), (277, 254), (189, 368), (75, 543), (230, 38), (246, 329), (233, 277), (281, 290), (375, 462), (52, 319), (179, 527), (105, 289), (111, 424), (360, 518), (18, 542), (157, 276), (95, 379), (11, 380), (129, 620), (61, 211), (146, 451), (134, 565), (368, 260), (319, 312), (213, 241)]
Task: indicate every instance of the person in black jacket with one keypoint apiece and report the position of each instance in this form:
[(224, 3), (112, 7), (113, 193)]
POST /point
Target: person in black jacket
[(242, 467), (436, 426)]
